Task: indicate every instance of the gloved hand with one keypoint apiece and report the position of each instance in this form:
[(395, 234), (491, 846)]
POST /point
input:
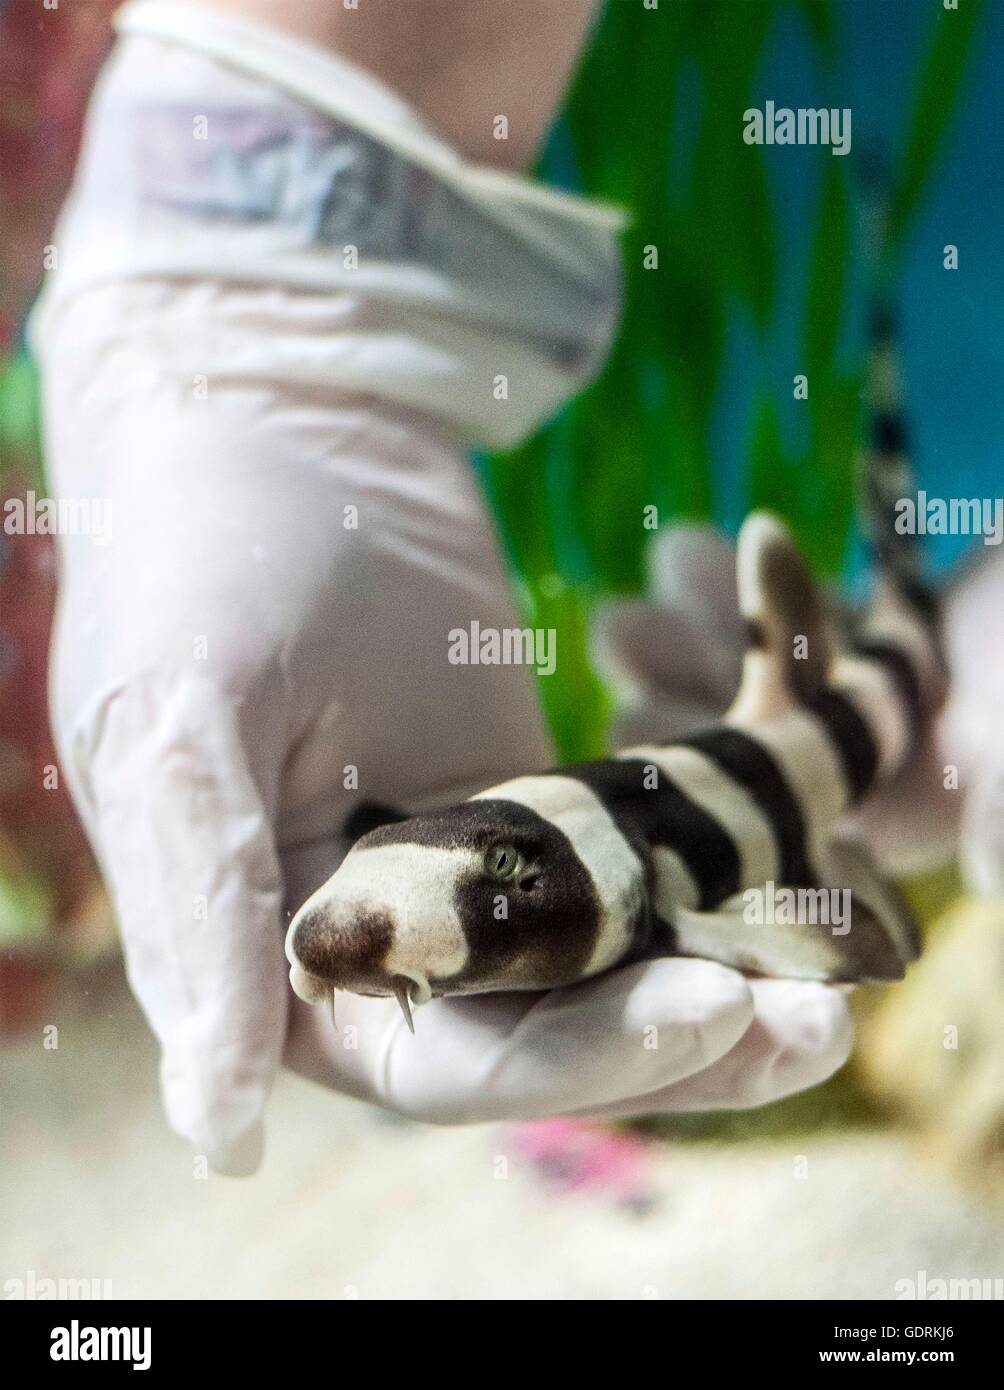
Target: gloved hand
[(263, 641), (670, 1035)]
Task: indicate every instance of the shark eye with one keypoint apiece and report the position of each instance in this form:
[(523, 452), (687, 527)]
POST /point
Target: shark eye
[(504, 863)]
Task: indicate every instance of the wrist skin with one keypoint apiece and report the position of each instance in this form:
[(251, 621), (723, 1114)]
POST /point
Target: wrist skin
[(459, 63)]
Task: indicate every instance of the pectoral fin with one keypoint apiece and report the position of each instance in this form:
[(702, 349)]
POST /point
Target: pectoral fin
[(835, 936), (846, 863)]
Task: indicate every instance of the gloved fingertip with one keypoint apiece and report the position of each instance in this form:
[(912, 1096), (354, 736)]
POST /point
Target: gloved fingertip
[(694, 1010), (220, 1116), (835, 1029), (812, 1016), (811, 1029), (242, 1156), (697, 991)]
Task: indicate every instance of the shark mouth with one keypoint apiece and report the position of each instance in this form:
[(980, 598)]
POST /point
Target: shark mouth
[(410, 989)]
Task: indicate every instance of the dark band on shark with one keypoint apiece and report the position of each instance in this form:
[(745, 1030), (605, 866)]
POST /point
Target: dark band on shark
[(889, 434), (883, 323), (484, 823), (743, 758), (370, 815), (665, 815), (902, 673), (562, 954), (919, 594), (851, 738), (887, 474)]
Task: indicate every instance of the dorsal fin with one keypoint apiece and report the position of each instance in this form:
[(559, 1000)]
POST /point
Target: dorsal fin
[(791, 643)]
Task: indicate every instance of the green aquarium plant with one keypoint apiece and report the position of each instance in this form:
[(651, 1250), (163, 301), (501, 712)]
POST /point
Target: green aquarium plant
[(19, 450), (654, 122)]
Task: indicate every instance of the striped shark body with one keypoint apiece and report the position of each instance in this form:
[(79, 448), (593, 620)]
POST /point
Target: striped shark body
[(549, 879)]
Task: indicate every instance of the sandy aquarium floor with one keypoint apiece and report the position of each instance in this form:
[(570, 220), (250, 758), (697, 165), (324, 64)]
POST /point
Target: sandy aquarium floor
[(351, 1203)]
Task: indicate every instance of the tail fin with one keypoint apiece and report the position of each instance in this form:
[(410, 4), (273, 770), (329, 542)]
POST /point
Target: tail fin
[(905, 605), (905, 609), (887, 473)]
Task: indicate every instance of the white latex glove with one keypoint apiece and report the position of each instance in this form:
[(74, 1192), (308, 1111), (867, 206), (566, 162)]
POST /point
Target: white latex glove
[(227, 658), (670, 1035)]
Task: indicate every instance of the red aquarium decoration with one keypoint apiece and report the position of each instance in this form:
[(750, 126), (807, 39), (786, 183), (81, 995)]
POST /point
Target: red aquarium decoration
[(48, 61), (51, 908)]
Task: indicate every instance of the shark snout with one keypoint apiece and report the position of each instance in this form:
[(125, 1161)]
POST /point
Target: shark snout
[(385, 923), (339, 948), (330, 949)]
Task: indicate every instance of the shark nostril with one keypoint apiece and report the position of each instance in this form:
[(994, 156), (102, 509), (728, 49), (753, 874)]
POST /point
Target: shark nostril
[(312, 943), (346, 947)]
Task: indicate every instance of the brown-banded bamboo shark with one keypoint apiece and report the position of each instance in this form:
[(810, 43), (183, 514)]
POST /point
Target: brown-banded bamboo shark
[(548, 879)]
